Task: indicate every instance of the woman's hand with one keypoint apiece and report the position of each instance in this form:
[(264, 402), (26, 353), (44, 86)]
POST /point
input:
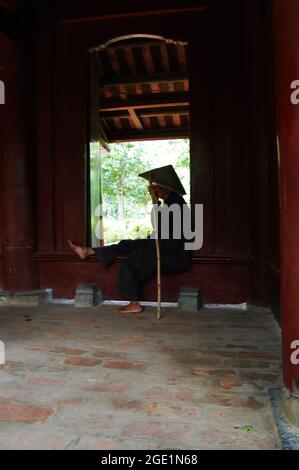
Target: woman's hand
[(153, 193)]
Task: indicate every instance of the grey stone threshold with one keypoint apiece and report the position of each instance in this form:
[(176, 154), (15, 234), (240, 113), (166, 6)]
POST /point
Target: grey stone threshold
[(288, 435)]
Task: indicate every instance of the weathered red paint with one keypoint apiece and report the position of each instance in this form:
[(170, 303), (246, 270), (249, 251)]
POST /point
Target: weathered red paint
[(18, 267), (61, 170), (287, 50), (226, 147), (220, 281)]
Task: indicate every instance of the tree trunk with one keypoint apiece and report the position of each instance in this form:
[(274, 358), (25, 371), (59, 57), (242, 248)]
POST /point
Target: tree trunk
[(121, 201)]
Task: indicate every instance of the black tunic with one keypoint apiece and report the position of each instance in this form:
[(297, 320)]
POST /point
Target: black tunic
[(140, 262)]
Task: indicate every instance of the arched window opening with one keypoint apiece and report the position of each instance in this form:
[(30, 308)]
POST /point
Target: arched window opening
[(139, 90)]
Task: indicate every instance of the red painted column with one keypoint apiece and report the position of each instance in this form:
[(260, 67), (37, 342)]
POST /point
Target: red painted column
[(18, 173), (287, 63)]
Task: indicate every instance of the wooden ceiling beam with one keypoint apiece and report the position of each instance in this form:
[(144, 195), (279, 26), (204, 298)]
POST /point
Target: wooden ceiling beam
[(166, 64), (148, 134), (115, 114), (73, 18), (156, 100), (177, 120), (161, 112), (135, 119), (145, 79), (137, 43), (183, 111)]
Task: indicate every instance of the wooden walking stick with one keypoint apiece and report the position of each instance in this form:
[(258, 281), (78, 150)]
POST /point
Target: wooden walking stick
[(158, 254)]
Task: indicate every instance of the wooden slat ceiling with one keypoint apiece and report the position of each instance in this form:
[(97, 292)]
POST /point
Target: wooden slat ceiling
[(144, 90)]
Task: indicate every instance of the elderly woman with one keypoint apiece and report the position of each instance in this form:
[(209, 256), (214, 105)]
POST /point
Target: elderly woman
[(139, 256)]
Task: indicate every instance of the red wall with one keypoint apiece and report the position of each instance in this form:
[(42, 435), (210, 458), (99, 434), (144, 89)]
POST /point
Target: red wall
[(8, 4), (232, 151), (18, 270), (260, 67), (287, 62)]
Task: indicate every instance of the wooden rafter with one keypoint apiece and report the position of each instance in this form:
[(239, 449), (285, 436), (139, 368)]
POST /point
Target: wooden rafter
[(107, 92), (136, 43), (164, 112), (133, 69), (166, 65), (148, 59), (145, 90), (155, 100), (149, 113), (117, 123), (113, 60), (177, 120), (148, 134), (144, 79), (181, 51), (116, 69), (150, 67), (162, 121), (146, 122), (135, 119)]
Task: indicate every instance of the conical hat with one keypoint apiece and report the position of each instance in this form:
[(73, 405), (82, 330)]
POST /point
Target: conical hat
[(165, 176)]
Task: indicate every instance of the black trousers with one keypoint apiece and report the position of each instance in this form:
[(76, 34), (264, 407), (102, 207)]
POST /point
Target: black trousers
[(140, 262)]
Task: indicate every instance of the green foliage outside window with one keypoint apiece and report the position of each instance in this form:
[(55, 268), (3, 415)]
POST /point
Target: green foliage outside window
[(115, 183)]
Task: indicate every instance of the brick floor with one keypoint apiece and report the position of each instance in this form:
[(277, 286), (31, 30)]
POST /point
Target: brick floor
[(94, 379)]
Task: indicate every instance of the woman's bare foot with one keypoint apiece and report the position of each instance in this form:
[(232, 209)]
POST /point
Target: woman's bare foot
[(81, 251), (132, 307)]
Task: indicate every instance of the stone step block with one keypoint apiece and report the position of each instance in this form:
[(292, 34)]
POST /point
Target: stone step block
[(190, 299), (30, 298), (87, 295)]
